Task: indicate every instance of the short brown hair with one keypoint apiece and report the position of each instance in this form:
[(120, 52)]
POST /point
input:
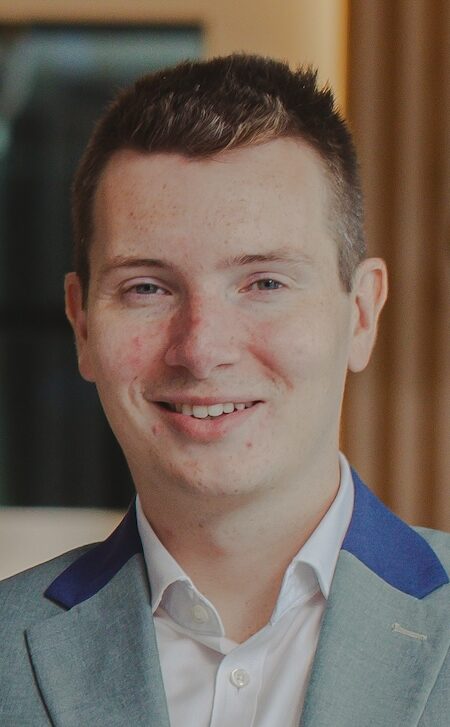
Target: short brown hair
[(198, 109)]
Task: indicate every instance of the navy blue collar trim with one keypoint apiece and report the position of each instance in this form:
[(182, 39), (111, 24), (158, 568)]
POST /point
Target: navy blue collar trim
[(377, 537), (94, 569), (390, 548)]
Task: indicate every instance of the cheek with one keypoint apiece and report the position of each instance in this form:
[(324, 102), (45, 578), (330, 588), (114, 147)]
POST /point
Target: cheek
[(121, 356), (300, 348), (132, 356), (287, 348)]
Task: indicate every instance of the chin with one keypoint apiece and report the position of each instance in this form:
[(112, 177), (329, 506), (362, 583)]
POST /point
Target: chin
[(196, 479)]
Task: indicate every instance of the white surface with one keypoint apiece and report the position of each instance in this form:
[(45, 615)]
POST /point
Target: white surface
[(29, 536)]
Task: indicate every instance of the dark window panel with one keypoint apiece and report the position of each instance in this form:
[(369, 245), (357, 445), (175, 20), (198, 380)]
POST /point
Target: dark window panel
[(56, 447)]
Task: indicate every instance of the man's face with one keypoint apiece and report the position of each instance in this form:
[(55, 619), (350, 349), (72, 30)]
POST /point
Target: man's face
[(215, 282)]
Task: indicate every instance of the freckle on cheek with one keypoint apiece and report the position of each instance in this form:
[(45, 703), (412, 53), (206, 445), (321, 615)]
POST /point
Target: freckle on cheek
[(132, 359), (249, 445), (136, 343), (131, 362)]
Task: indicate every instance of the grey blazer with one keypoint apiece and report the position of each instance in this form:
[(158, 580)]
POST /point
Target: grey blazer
[(78, 648)]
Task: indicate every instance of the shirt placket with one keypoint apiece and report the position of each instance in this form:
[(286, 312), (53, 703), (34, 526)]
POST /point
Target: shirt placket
[(237, 686)]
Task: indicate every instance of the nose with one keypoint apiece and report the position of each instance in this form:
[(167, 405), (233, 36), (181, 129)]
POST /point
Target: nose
[(204, 337)]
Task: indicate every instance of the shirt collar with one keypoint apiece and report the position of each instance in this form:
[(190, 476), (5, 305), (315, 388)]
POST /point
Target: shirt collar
[(321, 550), (171, 588), (162, 568), (312, 568)]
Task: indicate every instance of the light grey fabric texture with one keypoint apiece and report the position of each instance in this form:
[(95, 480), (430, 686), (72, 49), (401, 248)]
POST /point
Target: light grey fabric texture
[(380, 654), (97, 665)]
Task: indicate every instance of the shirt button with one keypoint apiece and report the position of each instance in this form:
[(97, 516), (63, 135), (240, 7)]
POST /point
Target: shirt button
[(200, 614), (239, 677)]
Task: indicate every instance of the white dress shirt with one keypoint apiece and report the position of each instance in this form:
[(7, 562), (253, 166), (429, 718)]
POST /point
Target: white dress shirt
[(211, 681)]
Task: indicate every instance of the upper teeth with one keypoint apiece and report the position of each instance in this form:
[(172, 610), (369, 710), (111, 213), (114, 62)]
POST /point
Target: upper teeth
[(215, 410)]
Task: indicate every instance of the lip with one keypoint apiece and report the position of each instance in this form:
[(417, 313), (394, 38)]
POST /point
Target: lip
[(207, 430), (206, 400)]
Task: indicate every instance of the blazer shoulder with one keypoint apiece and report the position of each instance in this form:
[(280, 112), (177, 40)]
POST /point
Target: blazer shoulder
[(22, 599), (22, 605), (439, 541)]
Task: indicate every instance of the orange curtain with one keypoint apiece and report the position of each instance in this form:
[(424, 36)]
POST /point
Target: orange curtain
[(397, 414)]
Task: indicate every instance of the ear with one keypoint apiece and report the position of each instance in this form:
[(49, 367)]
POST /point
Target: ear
[(369, 296), (77, 315)]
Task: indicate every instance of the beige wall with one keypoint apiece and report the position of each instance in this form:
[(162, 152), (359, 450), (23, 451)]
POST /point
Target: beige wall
[(32, 535)]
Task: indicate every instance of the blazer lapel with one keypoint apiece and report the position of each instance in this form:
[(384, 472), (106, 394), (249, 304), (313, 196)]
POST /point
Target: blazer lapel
[(382, 640), (367, 670), (97, 663)]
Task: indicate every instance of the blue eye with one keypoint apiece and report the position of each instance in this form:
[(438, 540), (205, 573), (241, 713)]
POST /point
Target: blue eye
[(268, 284), (147, 289)]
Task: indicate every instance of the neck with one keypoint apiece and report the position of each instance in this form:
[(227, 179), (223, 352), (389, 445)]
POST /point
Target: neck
[(239, 539)]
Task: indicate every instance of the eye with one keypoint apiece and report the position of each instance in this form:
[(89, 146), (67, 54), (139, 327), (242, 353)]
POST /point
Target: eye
[(145, 289), (266, 284), (148, 289)]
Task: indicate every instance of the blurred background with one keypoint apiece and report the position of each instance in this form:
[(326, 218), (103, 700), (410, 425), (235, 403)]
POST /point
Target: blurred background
[(63, 479)]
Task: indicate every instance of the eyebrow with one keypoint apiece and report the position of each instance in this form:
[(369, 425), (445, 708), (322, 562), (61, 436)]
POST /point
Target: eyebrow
[(121, 261), (281, 255)]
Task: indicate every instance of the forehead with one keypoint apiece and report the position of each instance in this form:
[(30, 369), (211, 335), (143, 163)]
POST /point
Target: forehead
[(240, 197)]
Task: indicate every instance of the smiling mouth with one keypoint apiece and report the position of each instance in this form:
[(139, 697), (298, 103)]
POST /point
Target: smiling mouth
[(206, 412)]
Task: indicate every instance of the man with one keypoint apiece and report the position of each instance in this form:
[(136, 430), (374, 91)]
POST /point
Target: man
[(221, 293)]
